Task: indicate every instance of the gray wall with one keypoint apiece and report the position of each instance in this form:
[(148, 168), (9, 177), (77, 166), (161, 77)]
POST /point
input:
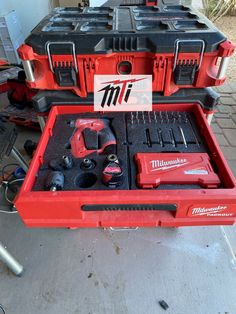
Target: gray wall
[(96, 3), (29, 12)]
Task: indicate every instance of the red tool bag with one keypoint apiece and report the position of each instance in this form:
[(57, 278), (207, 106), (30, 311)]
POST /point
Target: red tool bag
[(175, 44)]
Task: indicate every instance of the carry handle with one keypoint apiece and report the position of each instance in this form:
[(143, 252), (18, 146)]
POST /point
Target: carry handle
[(48, 46), (177, 46), (124, 228)]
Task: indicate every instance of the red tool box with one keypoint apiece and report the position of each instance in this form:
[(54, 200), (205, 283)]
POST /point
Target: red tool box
[(190, 185), (175, 44)]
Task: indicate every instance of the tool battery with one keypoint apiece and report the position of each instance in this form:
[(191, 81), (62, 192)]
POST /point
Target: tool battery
[(175, 44)]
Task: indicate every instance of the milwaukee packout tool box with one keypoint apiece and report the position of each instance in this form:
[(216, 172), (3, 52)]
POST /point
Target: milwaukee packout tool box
[(128, 169), (175, 44)]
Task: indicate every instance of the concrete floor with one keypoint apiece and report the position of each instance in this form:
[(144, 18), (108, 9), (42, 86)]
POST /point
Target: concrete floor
[(104, 272), (109, 272)]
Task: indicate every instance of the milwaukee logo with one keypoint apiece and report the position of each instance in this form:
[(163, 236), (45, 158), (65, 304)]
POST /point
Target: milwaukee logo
[(167, 164), (200, 211), (123, 92)]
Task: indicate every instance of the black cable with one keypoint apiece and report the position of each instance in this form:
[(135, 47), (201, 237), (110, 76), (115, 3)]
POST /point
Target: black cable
[(7, 186), (2, 308), (6, 211), (5, 167)]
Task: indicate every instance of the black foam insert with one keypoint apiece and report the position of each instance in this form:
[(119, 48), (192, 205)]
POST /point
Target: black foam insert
[(77, 178), (135, 132)]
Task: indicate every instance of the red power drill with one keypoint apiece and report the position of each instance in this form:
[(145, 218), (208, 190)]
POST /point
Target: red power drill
[(92, 135)]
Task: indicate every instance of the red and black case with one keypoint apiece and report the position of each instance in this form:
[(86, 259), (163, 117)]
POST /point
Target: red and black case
[(175, 44), (166, 167)]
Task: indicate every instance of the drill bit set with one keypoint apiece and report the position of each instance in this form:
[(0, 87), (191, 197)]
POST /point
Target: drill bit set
[(164, 129)]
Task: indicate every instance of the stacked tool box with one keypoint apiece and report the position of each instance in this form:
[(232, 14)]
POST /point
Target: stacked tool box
[(117, 168), (173, 43)]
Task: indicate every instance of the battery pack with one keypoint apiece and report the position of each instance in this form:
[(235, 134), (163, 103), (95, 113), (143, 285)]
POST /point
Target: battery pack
[(155, 169)]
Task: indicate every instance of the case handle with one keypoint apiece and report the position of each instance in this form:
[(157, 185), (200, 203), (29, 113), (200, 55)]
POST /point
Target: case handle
[(177, 46), (48, 46)]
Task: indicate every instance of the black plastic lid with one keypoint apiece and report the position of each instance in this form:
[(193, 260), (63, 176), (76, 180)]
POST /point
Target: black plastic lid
[(99, 30)]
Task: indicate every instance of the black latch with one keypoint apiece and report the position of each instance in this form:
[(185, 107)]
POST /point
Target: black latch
[(184, 73), (65, 75)]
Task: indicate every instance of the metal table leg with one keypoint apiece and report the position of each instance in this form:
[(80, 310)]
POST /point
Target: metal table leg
[(10, 261), (42, 123), (16, 155)]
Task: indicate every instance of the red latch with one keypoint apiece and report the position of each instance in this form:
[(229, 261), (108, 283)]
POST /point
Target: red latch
[(26, 52), (226, 49), (150, 3)]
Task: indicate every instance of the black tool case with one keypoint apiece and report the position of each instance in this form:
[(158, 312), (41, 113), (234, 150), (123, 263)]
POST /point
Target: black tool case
[(102, 30)]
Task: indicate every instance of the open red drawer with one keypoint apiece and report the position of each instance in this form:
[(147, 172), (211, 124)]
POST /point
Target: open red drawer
[(92, 204)]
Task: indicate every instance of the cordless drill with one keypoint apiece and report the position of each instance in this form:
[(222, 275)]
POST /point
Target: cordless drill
[(92, 135)]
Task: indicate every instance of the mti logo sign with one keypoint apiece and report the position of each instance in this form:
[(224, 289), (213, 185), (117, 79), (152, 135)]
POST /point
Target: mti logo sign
[(120, 93), (123, 93)]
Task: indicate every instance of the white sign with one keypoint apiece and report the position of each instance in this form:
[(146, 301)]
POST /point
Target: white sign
[(123, 93)]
